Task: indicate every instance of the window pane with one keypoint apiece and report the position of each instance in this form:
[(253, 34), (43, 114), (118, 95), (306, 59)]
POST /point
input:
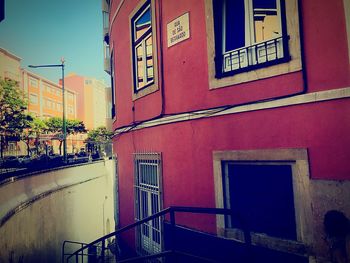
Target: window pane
[(266, 20), (234, 20), (143, 23)]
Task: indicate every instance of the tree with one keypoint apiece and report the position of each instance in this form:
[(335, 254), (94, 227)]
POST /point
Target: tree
[(54, 125), (35, 128), (99, 136), (13, 119)]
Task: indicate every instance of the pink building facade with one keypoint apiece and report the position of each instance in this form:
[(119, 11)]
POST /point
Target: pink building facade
[(241, 105)]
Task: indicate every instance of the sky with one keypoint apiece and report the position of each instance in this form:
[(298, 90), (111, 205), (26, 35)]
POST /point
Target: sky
[(42, 31)]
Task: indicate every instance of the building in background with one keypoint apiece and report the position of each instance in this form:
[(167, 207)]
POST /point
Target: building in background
[(91, 100), (243, 105), (10, 66), (44, 101), (45, 97)]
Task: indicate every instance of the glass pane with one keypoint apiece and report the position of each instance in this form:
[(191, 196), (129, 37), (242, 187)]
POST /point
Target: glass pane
[(234, 21), (266, 20), (143, 23), (148, 174)]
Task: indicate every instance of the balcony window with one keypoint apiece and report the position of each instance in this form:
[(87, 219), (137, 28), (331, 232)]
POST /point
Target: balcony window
[(249, 34)]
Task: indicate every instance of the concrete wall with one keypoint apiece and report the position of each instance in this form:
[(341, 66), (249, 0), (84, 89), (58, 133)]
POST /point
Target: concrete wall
[(39, 212)]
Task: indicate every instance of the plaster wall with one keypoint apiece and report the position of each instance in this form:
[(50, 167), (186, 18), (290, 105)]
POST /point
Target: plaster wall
[(183, 68), (68, 204)]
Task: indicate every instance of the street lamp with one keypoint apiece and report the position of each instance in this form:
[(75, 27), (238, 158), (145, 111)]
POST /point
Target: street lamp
[(64, 129)]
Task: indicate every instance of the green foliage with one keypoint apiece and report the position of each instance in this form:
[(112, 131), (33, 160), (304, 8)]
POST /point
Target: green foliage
[(55, 125), (100, 134), (13, 118)]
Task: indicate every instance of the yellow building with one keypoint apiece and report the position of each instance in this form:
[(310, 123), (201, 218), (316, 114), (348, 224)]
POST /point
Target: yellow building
[(44, 100), (10, 65), (45, 97)]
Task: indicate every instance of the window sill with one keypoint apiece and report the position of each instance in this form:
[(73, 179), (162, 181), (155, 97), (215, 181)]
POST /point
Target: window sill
[(263, 240), (144, 92)]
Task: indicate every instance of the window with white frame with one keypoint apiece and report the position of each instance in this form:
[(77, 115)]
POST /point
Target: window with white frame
[(59, 106), (33, 98), (249, 34), (142, 47), (70, 109), (48, 104), (33, 82), (147, 167), (269, 185)]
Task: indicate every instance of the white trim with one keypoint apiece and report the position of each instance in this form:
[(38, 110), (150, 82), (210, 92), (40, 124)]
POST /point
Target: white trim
[(347, 21), (295, 100)]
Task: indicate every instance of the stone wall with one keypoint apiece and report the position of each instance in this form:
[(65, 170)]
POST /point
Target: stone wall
[(39, 212)]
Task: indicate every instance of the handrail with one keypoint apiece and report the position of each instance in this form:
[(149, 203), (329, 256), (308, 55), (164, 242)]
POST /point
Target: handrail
[(70, 242), (171, 210)]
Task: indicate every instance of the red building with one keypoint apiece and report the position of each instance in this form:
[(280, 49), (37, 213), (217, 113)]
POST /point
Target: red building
[(242, 105)]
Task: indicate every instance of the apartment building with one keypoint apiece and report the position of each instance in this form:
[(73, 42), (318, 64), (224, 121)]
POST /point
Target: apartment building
[(44, 99), (10, 65), (91, 102), (242, 105)]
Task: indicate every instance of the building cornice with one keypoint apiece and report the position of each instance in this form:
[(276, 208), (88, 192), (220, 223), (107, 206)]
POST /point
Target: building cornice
[(8, 53), (31, 74)]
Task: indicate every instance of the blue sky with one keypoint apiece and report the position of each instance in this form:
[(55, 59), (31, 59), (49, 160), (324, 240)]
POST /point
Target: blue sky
[(42, 31)]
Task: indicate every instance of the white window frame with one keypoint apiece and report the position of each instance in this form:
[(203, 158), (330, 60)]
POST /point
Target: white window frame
[(251, 56), (292, 27), (152, 85), (33, 82), (298, 159), (32, 95)]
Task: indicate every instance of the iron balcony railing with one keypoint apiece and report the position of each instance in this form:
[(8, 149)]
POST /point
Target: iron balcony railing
[(263, 54), (170, 215)]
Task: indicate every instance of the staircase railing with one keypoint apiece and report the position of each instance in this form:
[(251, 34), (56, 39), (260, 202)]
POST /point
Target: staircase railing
[(171, 212)]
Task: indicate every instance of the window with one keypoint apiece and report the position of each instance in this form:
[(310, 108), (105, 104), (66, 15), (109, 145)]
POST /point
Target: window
[(251, 39), (33, 82), (70, 109), (147, 167), (59, 107), (143, 50), (105, 17), (48, 104), (33, 98), (269, 185), (253, 34), (260, 190), (70, 96)]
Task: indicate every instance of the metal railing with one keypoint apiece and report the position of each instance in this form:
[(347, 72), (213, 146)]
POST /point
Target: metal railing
[(169, 215), (64, 253), (261, 54)]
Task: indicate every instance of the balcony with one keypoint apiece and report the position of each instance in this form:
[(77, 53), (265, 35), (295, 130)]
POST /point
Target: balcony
[(271, 52)]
